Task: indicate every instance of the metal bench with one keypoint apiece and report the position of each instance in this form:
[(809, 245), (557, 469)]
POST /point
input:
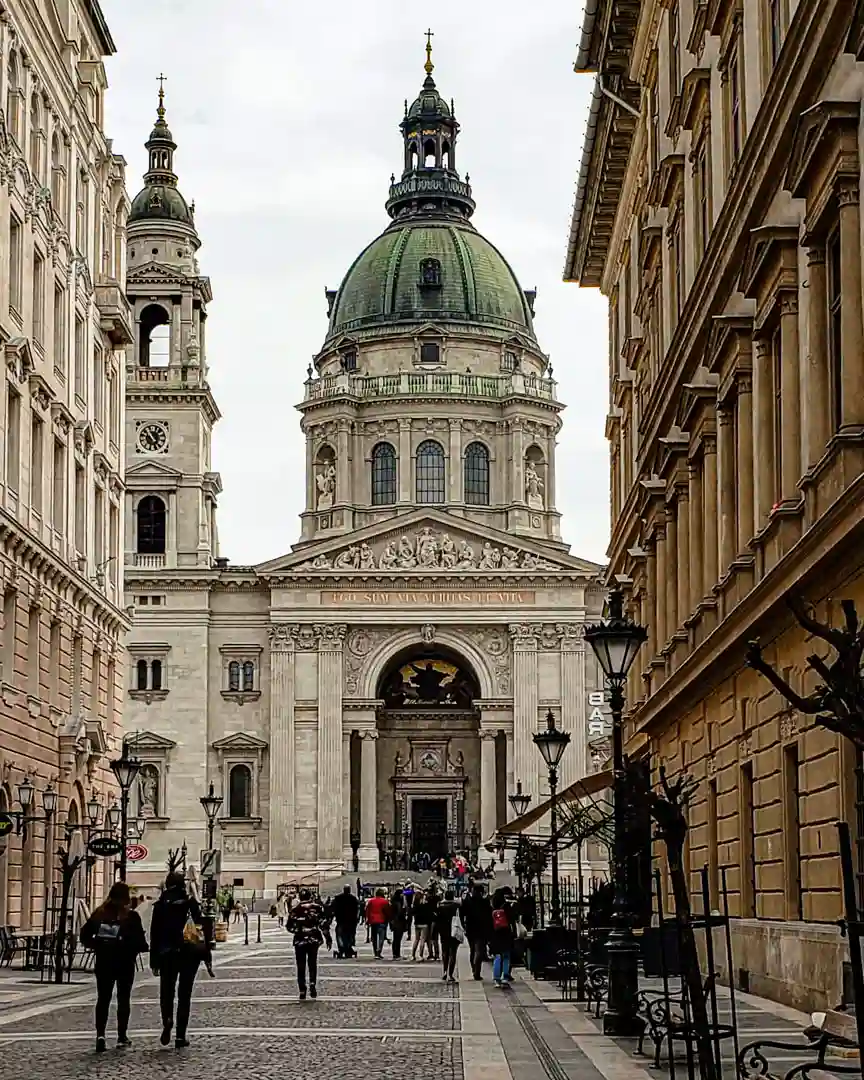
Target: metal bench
[(831, 1030)]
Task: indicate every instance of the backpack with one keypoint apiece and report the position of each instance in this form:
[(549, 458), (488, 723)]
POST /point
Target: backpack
[(500, 919), (109, 933)]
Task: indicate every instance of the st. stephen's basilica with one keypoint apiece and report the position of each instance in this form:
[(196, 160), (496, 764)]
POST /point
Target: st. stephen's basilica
[(385, 677)]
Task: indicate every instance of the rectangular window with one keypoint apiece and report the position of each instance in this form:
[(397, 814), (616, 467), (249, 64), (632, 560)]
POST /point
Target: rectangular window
[(792, 833), (95, 673), (10, 613), (13, 439), (713, 844), (702, 196), (58, 512), (113, 411), (777, 390), (37, 443), (38, 299), (34, 651), (110, 679), (54, 664), (99, 386), (775, 29), (735, 118), (80, 509), (746, 833), (16, 262), (676, 275), (59, 329), (77, 662), (99, 531), (835, 323), (80, 357), (114, 544), (674, 50)]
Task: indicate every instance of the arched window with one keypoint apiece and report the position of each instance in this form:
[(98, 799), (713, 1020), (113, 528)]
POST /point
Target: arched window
[(35, 137), (151, 526), (154, 337), (58, 188), (248, 676), (13, 98), (430, 472), (430, 274), (412, 155), (477, 475), (383, 475), (240, 792), (446, 156), (429, 154), (141, 675), (234, 675), (156, 672)]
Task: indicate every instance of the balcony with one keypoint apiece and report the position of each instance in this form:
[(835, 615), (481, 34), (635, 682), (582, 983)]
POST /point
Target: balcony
[(431, 384), (184, 377), (115, 315), (150, 562)]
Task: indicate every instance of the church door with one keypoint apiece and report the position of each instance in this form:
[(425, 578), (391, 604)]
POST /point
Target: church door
[(429, 827)]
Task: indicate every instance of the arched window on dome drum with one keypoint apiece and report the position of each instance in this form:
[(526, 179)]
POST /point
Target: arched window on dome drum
[(240, 792), (429, 154), (141, 675), (154, 337), (234, 676), (477, 475), (383, 475), (248, 676), (446, 156), (430, 472), (151, 526)]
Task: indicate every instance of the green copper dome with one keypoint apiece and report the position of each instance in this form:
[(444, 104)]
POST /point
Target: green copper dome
[(160, 202), (396, 280)]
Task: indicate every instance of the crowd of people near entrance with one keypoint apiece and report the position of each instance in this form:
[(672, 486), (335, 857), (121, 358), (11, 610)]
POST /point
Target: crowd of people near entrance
[(432, 921)]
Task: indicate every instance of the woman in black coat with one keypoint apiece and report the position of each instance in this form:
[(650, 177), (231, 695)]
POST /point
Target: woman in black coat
[(175, 954), (116, 936)]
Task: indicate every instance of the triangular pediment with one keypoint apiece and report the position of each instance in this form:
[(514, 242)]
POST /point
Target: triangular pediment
[(153, 468), (154, 272), (148, 740), (429, 329), (240, 740), (429, 541)]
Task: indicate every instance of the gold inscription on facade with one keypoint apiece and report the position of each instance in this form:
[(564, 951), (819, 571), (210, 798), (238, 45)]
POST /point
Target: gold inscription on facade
[(429, 598)]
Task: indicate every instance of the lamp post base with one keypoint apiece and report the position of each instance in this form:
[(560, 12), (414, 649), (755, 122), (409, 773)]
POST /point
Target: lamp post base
[(622, 1016)]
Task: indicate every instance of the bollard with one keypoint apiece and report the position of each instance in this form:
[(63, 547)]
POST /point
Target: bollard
[(246, 927), (258, 939)]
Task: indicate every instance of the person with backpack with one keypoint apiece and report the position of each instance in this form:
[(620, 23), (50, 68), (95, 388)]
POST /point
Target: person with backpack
[(477, 918), (503, 934), (177, 947), (116, 936), (309, 925)]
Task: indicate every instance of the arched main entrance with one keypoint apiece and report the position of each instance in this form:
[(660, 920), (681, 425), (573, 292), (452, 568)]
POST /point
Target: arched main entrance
[(428, 755)]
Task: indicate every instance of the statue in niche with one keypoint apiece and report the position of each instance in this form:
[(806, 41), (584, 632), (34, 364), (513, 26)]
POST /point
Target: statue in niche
[(398, 765), (427, 548), (148, 791), (490, 558), (448, 552), (367, 557), (326, 481), (466, 556), (533, 487), (192, 348), (407, 559), (389, 556), (509, 559)]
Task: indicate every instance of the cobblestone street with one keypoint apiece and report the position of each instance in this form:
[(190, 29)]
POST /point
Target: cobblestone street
[(373, 1019)]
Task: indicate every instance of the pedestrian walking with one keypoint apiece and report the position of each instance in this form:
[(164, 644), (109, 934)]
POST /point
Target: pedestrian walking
[(307, 923), (346, 911), (450, 932), (503, 934), (116, 936), (434, 897), (422, 919), (398, 922), (178, 945), (477, 919), (377, 917)]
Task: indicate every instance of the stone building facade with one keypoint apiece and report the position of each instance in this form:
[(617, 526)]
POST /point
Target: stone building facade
[(390, 671), (63, 324), (718, 209)]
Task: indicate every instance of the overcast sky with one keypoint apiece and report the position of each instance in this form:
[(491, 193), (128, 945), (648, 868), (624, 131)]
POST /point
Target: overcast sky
[(286, 118)]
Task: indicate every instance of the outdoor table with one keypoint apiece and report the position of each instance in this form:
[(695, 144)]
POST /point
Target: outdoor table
[(34, 942)]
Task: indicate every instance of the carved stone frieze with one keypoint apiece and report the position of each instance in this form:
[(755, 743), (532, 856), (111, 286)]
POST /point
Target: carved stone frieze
[(492, 642)]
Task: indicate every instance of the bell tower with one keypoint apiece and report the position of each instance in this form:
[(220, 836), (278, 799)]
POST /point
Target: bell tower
[(171, 491)]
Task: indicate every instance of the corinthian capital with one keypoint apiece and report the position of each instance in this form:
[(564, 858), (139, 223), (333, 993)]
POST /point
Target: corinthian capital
[(281, 637), (330, 635), (524, 635), (572, 636)]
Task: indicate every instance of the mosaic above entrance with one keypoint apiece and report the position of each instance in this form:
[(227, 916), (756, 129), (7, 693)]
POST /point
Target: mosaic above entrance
[(428, 682)]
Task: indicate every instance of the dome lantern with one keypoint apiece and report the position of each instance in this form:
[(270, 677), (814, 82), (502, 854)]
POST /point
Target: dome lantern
[(160, 199)]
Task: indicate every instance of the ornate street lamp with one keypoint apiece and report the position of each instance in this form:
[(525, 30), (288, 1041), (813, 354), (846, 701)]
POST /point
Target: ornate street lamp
[(112, 817), (552, 742), (212, 804), (126, 770), (94, 809), (49, 800), (616, 642), (519, 800), (25, 794)]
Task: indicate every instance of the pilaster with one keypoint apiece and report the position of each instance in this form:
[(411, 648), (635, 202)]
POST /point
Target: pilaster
[(330, 638), (282, 641), (574, 764), (525, 706)]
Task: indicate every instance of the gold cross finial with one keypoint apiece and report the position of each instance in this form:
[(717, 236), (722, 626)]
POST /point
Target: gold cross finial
[(430, 67), (161, 110)]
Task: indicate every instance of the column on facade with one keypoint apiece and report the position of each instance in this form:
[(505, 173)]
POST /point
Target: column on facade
[(281, 743), (745, 503), (763, 432), (330, 638), (573, 704), (673, 561), (696, 541), (790, 399), (816, 391), (404, 470), (310, 473), (660, 570), (488, 786), (525, 706), (650, 615), (346, 791), (709, 494), (517, 462), (368, 786), (726, 448), (682, 568), (456, 470), (343, 475), (851, 319)]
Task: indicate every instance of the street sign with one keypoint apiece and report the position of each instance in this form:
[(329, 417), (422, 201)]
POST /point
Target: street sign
[(7, 824), (105, 846), (136, 852), (211, 862)]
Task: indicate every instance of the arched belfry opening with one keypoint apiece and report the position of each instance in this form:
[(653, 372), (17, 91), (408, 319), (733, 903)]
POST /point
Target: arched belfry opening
[(428, 755)]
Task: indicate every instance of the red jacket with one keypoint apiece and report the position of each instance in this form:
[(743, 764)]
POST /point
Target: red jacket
[(377, 910)]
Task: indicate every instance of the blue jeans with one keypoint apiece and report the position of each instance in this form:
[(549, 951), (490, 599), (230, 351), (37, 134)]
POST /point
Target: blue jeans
[(501, 966), (379, 933)]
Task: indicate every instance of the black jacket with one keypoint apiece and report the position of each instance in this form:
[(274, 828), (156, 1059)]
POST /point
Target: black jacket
[(346, 909), (170, 912), (477, 916), (123, 950)]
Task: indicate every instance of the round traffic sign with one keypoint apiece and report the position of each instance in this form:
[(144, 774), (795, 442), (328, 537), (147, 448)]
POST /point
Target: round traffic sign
[(136, 852)]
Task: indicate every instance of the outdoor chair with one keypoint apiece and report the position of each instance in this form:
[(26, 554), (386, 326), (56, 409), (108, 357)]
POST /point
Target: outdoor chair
[(10, 946)]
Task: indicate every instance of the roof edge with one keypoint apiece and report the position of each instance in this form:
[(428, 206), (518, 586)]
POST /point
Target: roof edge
[(586, 40), (571, 272)]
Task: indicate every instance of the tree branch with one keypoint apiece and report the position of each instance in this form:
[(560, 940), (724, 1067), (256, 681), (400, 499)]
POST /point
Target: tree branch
[(753, 657)]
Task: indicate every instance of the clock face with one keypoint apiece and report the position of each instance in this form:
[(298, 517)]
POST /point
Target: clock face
[(152, 438)]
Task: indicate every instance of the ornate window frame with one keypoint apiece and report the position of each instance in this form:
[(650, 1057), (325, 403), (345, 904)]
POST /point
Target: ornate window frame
[(155, 750), (241, 748), (241, 654), (148, 651)]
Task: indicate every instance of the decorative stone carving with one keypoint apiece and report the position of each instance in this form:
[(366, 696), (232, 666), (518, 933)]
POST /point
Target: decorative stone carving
[(330, 635), (533, 487), (427, 633), (148, 791), (281, 637), (550, 636), (490, 558), (358, 645), (492, 642), (240, 845), (572, 635), (325, 480), (788, 726)]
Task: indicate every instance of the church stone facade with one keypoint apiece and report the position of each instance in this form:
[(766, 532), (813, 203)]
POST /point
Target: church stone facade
[(387, 675)]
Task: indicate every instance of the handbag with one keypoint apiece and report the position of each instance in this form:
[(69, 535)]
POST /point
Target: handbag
[(193, 935), (458, 932), (521, 932)]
